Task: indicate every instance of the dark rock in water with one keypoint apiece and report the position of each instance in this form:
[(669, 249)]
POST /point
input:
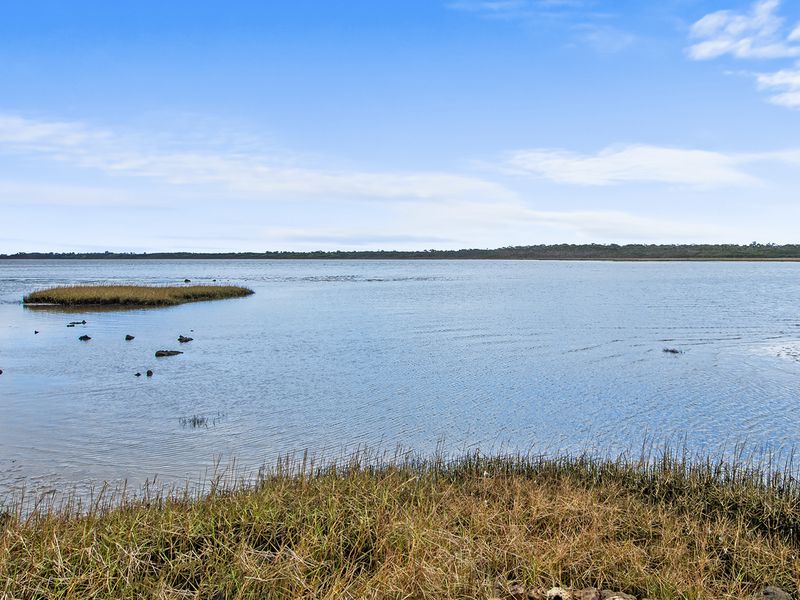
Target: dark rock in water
[(71, 325), (137, 374), (128, 338), (773, 593), (84, 338), (160, 353), (149, 373), (35, 332), (187, 281), (1, 371), (183, 339), (672, 351)]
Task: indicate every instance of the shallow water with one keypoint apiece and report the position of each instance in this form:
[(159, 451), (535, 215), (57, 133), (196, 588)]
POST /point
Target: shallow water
[(329, 355)]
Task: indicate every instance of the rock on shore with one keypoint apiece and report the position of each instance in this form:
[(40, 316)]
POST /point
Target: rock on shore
[(519, 592)]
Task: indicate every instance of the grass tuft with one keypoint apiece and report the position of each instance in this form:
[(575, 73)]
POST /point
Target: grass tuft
[(133, 295), (422, 528)]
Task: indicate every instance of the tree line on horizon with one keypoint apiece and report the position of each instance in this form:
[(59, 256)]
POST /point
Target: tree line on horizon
[(536, 252)]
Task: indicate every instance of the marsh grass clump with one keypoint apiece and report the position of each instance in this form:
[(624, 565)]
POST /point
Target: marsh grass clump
[(407, 527), (133, 295)]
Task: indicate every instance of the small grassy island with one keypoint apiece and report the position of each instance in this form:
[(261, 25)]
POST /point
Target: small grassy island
[(474, 527), (133, 295)]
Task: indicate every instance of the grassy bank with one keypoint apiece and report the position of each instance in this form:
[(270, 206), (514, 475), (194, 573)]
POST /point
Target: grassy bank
[(133, 295), (468, 528)]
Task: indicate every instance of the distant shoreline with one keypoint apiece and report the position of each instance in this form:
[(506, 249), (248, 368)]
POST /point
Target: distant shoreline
[(391, 258), (557, 252)]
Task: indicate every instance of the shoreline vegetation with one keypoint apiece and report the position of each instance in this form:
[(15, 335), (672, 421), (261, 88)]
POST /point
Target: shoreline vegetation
[(468, 527), (610, 252), (131, 295)]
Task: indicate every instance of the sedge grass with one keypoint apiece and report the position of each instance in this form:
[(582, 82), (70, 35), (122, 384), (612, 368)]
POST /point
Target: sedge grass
[(660, 529), (133, 295)]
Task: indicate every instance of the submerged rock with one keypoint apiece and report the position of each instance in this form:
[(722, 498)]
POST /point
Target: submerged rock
[(672, 351), (160, 353), (184, 339), (773, 593), (84, 338), (128, 338)]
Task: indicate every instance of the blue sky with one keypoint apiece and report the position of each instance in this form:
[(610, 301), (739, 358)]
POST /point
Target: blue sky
[(144, 126)]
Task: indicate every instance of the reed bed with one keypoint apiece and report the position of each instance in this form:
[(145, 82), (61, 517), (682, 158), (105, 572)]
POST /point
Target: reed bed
[(133, 295), (469, 527)]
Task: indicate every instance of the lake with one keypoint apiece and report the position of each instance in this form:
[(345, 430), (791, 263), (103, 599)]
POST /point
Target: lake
[(332, 355)]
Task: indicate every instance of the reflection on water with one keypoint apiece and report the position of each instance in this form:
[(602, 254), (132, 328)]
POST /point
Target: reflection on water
[(328, 355), (85, 309)]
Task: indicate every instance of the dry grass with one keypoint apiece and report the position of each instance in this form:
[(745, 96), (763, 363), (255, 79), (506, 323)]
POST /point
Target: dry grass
[(133, 295), (424, 529)]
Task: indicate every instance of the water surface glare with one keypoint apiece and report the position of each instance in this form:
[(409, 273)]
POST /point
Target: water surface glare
[(328, 355)]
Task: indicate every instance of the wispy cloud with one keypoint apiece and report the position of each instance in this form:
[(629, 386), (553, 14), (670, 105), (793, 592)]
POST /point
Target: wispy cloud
[(784, 86), (401, 209), (759, 34), (244, 173), (603, 38), (516, 220), (25, 193), (585, 25), (484, 224), (644, 164), (519, 9), (631, 164), (339, 238)]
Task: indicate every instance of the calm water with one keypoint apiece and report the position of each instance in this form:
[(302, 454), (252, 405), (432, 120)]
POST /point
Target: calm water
[(330, 355)]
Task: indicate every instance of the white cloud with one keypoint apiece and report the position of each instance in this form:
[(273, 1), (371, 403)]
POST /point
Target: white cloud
[(784, 86), (244, 173), (636, 163), (759, 33)]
